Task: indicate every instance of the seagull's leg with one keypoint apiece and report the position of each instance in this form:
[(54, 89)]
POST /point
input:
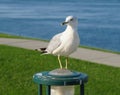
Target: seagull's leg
[(59, 61), (66, 61)]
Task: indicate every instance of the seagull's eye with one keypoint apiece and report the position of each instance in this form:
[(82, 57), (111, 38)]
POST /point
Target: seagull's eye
[(71, 19)]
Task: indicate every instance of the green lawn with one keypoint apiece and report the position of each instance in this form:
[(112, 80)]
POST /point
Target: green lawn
[(18, 65), (2, 35)]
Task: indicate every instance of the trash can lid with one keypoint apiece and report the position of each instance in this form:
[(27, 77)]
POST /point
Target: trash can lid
[(52, 78)]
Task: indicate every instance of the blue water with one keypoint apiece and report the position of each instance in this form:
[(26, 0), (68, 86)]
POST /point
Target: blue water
[(99, 20)]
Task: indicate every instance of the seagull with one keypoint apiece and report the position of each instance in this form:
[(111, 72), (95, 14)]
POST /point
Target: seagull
[(64, 43)]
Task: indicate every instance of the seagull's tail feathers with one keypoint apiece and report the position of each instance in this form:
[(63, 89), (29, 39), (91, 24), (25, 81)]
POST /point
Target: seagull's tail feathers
[(42, 50)]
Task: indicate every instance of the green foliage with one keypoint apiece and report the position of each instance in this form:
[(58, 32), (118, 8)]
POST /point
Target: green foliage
[(17, 66)]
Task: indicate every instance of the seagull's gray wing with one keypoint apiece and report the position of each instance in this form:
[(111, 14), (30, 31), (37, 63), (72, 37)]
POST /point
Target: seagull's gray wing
[(54, 43)]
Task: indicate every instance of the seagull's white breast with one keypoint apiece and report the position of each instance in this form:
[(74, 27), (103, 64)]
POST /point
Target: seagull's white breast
[(70, 42)]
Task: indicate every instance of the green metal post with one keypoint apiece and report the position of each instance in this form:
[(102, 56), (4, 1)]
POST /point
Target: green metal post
[(40, 89), (82, 89), (48, 91)]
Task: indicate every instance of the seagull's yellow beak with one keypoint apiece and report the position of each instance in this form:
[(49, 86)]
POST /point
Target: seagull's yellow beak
[(64, 23)]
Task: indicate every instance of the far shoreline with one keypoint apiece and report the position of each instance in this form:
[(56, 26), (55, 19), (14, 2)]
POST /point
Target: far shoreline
[(4, 35)]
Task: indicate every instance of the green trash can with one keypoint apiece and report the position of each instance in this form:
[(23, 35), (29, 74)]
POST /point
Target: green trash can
[(60, 78)]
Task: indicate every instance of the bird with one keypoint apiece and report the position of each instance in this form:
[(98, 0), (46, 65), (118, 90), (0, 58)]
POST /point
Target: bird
[(64, 43)]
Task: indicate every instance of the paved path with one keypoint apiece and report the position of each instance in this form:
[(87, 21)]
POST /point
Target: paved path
[(81, 53)]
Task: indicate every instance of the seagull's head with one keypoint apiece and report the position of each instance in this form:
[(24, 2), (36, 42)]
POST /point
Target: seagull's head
[(71, 21)]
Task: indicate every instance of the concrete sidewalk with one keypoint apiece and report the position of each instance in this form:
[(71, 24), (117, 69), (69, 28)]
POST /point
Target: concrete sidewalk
[(81, 53)]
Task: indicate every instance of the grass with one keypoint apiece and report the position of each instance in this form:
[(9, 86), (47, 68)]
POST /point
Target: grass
[(2, 35), (17, 66), (99, 49)]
